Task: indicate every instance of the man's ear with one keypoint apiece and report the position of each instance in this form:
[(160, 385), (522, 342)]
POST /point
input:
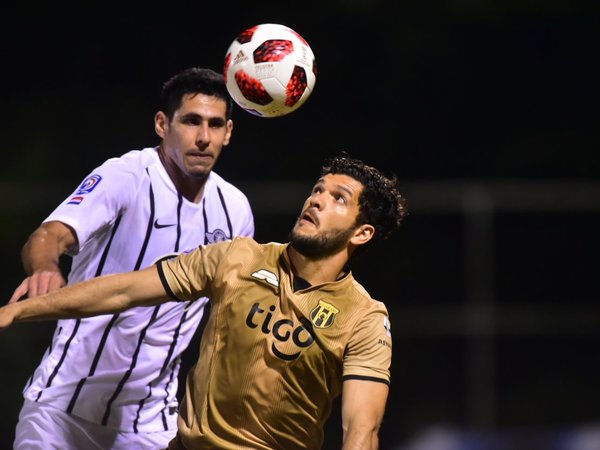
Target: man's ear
[(363, 234), (228, 131), (161, 123)]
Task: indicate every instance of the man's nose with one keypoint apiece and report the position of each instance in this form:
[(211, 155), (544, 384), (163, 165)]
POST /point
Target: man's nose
[(203, 135), (316, 200)]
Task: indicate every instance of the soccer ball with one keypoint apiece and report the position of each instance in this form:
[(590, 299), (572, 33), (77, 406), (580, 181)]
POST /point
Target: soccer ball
[(269, 70)]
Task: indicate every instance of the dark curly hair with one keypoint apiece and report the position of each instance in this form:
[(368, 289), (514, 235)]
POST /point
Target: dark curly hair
[(194, 80), (380, 202)]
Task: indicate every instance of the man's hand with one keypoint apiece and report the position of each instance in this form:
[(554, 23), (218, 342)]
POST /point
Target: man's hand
[(38, 284)]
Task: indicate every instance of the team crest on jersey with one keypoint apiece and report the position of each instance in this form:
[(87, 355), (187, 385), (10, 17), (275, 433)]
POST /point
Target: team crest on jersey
[(323, 315), (216, 236), (88, 184)]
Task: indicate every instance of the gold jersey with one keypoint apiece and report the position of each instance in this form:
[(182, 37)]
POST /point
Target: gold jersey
[(271, 360)]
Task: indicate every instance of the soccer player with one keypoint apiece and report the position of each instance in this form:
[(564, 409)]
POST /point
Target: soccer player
[(110, 382), (289, 328)]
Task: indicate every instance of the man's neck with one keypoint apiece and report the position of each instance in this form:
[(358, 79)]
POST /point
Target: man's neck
[(189, 187), (318, 271)]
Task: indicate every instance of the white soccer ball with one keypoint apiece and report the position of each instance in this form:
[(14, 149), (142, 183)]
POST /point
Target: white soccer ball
[(269, 70)]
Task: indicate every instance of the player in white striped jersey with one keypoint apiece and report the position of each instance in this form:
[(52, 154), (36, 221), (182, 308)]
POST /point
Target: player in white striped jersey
[(110, 382)]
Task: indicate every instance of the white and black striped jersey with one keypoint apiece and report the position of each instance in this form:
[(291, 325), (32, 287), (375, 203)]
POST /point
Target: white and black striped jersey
[(121, 370)]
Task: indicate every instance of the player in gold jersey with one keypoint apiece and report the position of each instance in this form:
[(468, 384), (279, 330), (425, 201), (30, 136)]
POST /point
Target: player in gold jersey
[(289, 330)]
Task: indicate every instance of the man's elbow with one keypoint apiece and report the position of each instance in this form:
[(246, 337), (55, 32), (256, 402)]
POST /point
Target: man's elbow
[(361, 436)]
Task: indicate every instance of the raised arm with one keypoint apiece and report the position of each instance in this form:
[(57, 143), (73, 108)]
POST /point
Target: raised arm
[(363, 406), (40, 255), (102, 295)]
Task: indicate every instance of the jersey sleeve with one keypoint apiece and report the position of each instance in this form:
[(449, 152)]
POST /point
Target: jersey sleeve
[(369, 351), (243, 218), (97, 201), (247, 225), (188, 276)]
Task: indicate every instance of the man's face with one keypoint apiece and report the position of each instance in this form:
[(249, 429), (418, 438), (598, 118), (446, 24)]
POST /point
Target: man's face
[(328, 218), (194, 138)]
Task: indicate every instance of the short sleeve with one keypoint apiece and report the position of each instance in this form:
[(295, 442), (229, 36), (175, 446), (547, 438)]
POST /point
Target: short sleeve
[(189, 275), (369, 351), (97, 201)]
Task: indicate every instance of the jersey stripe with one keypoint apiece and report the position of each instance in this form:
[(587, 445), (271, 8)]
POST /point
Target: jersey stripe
[(179, 204), (141, 405), (171, 377), (148, 229), (226, 212), (106, 250), (94, 364), (62, 358), (131, 367), (205, 221)]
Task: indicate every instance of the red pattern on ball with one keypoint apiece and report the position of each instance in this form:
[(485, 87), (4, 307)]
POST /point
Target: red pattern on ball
[(226, 65), (252, 89), (273, 50), (246, 35), (296, 86)]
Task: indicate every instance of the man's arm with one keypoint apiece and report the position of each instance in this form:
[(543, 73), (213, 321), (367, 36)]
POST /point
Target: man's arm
[(102, 295), (41, 256), (363, 406)]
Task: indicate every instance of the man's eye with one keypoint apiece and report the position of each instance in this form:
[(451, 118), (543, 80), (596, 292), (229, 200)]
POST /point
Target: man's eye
[(216, 123)]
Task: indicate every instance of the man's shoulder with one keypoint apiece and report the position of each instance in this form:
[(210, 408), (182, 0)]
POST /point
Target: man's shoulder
[(133, 160), (361, 295), (250, 243), (225, 185), (245, 252), (228, 190)]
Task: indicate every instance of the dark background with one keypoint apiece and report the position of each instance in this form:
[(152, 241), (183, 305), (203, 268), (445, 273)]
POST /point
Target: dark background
[(487, 112)]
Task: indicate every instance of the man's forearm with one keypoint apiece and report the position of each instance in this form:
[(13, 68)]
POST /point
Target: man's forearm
[(103, 295), (93, 297), (43, 249)]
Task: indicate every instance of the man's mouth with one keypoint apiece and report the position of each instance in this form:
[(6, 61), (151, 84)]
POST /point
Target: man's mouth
[(196, 156), (309, 217)]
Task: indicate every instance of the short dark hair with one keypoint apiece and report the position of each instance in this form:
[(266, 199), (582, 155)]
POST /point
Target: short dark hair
[(380, 202), (194, 80)]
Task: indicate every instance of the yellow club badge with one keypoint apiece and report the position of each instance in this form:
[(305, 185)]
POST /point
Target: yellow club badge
[(323, 314)]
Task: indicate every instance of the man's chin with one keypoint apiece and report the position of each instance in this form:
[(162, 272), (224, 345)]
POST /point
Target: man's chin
[(199, 173), (306, 245), (319, 245)]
